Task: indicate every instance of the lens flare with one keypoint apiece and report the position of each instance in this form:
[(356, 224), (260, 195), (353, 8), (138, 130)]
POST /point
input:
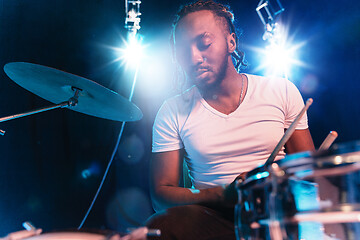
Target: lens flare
[(132, 52), (280, 55)]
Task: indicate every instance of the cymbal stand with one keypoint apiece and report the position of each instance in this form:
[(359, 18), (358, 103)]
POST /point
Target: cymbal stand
[(72, 102)]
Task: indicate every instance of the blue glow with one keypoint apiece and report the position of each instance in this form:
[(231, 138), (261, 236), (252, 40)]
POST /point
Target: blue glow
[(262, 175), (195, 191), (280, 55), (93, 169), (85, 173), (131, 53), (278, 59), (246, 204)]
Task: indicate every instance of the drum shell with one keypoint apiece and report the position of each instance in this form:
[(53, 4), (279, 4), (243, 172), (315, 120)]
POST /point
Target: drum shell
[(77, 235), (313, 193)]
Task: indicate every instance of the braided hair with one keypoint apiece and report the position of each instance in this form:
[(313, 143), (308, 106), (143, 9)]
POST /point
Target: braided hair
[(220, 11)]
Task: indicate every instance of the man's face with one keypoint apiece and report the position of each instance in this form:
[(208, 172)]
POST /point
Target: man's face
[(201, 48)]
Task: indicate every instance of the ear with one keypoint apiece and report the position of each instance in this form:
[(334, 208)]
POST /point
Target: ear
[(231, 42)]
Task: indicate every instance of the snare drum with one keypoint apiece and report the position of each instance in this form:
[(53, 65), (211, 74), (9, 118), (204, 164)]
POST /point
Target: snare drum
[(306, 196)]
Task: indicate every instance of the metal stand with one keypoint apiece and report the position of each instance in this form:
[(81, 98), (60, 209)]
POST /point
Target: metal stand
[(72, 102)]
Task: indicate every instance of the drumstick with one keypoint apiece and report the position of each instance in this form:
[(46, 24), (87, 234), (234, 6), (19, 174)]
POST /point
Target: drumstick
[(148, 231), (287, 134), (28, 226), (328, 140)]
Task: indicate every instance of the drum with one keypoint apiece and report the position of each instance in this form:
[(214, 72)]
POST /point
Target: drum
[(74, 236), (304, 196)]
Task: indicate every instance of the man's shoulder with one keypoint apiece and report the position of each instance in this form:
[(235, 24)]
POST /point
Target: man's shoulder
[(185, 97), (265, 79), (270, 82), (181, 103)]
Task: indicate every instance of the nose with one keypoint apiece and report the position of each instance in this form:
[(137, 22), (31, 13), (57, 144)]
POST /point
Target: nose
[(196, 56)]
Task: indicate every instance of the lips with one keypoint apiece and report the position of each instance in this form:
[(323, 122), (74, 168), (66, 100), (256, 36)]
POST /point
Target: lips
[(201, 71)]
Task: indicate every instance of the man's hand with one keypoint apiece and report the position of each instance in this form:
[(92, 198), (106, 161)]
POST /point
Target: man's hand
[(230, 192), (140, 233)]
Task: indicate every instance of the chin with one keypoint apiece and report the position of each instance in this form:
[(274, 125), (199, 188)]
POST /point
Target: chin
[(206, 84)]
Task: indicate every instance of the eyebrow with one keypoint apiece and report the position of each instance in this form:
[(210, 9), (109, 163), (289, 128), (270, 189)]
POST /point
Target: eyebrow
[(205, 34), (199, 37)]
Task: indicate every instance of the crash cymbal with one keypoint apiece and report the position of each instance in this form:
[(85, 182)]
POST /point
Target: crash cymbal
[(57, 86)]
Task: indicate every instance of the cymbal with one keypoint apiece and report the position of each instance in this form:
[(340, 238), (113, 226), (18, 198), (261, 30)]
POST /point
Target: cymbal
[(58, 86)]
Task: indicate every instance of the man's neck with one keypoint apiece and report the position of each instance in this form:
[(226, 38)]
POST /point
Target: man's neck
[(225, 97), (228, 87)]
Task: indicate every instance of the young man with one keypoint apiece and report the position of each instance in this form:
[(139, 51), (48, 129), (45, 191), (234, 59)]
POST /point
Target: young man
[(226, 124)]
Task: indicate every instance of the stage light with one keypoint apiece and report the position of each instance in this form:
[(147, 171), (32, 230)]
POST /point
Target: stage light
[(278, 59), (130, 53), (133, 51), (268, 12), (280, 53)]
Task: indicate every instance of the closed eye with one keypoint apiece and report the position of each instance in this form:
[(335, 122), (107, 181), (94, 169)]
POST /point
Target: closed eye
[(204, 41)]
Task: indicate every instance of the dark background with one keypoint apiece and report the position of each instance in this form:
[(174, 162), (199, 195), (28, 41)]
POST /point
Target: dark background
[(51, 163)]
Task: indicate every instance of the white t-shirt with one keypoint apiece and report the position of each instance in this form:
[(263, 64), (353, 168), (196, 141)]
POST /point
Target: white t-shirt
[(218, 146)]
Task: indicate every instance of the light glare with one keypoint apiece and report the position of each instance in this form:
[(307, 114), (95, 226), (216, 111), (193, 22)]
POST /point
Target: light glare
[(133, 52), (278, 58)]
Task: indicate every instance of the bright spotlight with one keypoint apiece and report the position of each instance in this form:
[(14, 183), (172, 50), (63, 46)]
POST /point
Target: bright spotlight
[(280, 55), (131, 53), (278, 59)]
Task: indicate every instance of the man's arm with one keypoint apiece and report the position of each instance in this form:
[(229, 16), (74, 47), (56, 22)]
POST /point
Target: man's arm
[(165, 170), (300, 141)]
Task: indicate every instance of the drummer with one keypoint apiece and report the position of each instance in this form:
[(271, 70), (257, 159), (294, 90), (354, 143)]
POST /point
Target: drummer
[(226, 124)]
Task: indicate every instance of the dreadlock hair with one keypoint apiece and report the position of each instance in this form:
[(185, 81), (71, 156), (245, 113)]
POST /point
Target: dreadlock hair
[(220, 11)]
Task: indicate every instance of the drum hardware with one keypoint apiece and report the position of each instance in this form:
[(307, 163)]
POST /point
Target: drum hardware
[(310, 192), (323, 217), (270, 195), (74, 236), (276, 224), (72, 102), (140, 233), (83, 95)]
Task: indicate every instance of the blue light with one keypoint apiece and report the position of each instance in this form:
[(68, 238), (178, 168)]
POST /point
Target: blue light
[(85, 173), (131, 53), (280, 55), (92, 170), (262, 175), (278, 59)]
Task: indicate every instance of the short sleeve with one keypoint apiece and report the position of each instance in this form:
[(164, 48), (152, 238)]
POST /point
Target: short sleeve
[(294, 105), (165, 130)]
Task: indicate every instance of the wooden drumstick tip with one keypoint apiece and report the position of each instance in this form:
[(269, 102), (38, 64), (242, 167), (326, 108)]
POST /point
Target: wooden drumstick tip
[(328, 140), (309, 101), (28, 226), (334, 134)]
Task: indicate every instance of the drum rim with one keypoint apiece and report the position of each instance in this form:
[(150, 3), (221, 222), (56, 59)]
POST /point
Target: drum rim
[(70, 235)]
